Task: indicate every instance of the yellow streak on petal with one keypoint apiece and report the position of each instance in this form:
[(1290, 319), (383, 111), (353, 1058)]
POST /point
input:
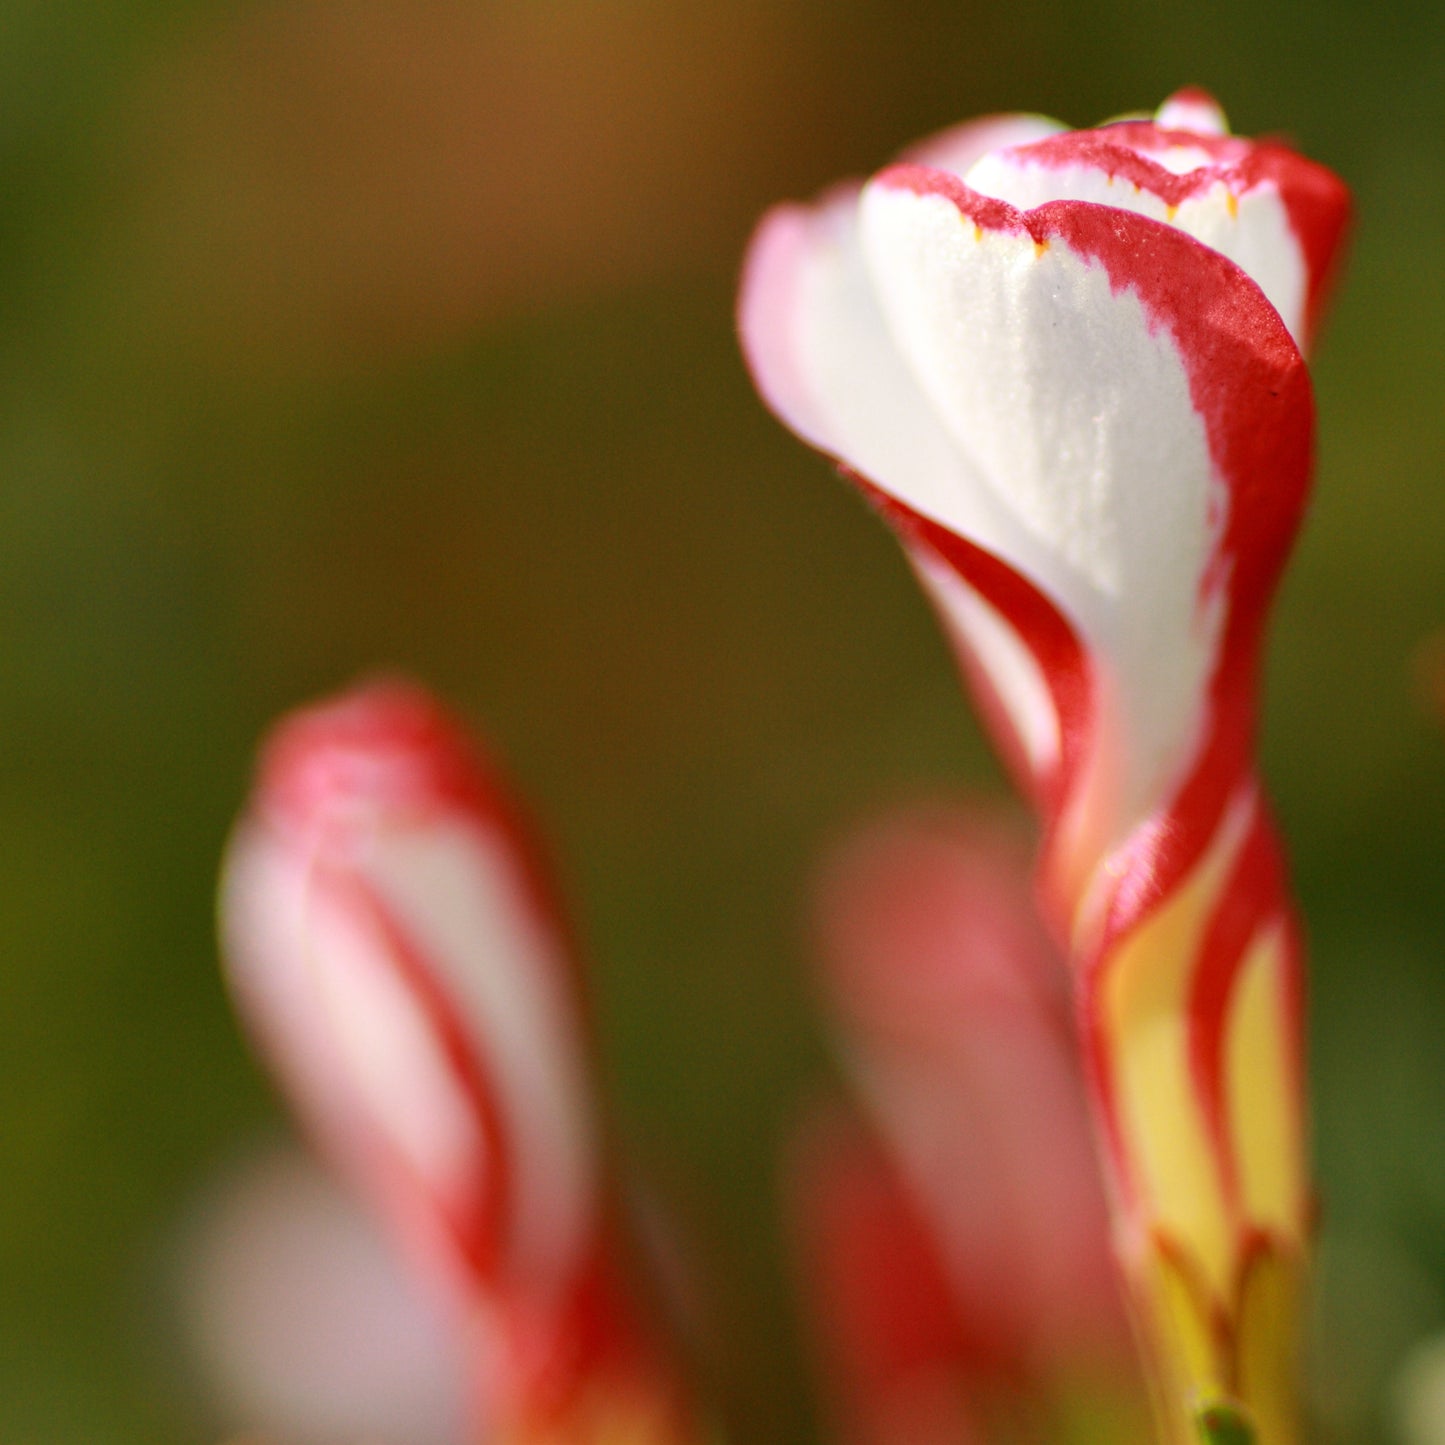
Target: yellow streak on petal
[(1178, 1186), (1264, 1108), (1232, 202), (1266, 1347), (1177, 1321)]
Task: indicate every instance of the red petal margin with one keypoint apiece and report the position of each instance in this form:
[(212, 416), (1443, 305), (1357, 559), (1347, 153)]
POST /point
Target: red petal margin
[(474, 1221), (1037, 623), (390, 740), (1249, 384), (1254, 896), (1316, 201)]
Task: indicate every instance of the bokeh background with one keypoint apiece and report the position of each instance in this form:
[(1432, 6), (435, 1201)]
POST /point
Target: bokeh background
[(341, 334)]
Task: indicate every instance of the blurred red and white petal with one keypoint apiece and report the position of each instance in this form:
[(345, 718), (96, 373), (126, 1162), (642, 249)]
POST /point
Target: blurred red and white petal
[(1192, 109), (393, 941), (388, 939), (952, 1013), (303, 1322), (895, 1356)]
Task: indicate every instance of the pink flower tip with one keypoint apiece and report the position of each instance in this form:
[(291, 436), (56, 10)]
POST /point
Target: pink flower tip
[(386, 746)]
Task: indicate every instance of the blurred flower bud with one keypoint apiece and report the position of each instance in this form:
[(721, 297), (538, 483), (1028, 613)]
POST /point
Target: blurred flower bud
[(393, 944), (959, 1245)]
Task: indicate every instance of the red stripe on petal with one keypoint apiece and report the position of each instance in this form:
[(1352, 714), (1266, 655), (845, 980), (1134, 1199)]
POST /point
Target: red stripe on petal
[(1318, 205), (387, 748), (983, 211), (477, 1219), (1254, 893), (1112, 152), (1040, 626), (1250, 386)]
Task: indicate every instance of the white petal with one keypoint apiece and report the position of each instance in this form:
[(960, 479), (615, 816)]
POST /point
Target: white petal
[(457, 892), (302, 1322), (1194, 110), (1013, 671), (825, 360), (1076, 411), (1249, 224), (959, 147)]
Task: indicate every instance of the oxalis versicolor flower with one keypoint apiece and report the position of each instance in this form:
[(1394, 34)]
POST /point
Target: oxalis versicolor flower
[(394, 945), (1067, 367)]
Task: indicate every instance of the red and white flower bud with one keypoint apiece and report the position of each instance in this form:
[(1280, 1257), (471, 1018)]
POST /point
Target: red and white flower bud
[(951, 1012), (393, 943), (1067, 367), (958, 1245)]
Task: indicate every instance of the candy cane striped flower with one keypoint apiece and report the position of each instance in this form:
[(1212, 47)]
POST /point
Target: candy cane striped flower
[(1067, 367), (392, 941)]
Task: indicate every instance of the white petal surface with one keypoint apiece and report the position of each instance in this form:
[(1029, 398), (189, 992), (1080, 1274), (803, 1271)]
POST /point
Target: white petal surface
[(826, 360), (457, 893), (1249, 225), (959, 147), (1077, 415)]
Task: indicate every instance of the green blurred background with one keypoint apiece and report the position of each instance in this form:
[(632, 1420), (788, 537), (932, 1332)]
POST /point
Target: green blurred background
[(340, 333)]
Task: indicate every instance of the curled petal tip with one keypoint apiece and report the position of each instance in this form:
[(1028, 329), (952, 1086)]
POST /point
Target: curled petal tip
[(385, 745), (1192, 109)]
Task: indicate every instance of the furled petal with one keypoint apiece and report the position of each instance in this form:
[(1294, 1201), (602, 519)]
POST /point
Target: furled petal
[(897, 1361), (823, 357), (951, 1009), (1085, 397), (1278, 216), (1117, 387), (390, 942)]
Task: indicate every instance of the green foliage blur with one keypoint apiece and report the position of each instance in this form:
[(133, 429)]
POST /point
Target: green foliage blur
[(341, 334)]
